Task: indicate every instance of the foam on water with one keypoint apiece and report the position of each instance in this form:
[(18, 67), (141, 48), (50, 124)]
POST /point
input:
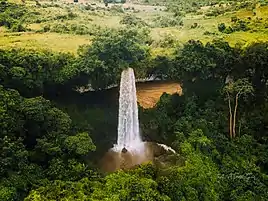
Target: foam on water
[(167, 148)]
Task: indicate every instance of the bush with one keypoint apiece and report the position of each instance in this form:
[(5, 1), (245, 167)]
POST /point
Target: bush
[(193, 26), (117, 9), (221, 27), (241, 25), (79, 29), (162, 21), (234, 19), (46, 28), (71, 15), (18, 28), (168, 41), (228, 30), (132, 20), (207, 33), (11, 15), (60, 28), (89, 7)]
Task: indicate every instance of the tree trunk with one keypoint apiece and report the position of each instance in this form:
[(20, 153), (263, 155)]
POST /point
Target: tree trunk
[(235, 111), (230, 117)]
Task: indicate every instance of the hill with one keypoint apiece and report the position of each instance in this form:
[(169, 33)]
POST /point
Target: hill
[(64, 25)]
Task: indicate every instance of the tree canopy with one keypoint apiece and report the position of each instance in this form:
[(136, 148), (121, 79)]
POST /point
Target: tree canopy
[(52, 135)]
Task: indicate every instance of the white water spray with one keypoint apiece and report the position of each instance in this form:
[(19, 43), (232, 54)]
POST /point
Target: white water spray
[(128, 122), (128, 136)]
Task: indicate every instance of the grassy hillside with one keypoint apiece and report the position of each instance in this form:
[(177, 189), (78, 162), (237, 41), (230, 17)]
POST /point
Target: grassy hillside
[(64, 26)]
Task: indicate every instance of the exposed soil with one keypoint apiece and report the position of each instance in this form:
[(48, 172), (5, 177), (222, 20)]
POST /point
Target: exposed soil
[(149, 93)]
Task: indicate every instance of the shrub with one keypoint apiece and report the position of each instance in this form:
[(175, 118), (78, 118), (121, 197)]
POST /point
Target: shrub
[(46, 28), (207, 33), (228, 30), (79, 29), (193, 26), (59, 28), (162, 21), (234, 19), (11, 15), (71, 15), (18, 28), (133, 21), (221, 27), (214, 12), (117, 9), (179, 13), (241, 25), (89, 7), (238, 25), (168, 41)]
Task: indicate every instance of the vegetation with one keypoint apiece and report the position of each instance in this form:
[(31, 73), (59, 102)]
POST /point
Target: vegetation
[(56, 119)]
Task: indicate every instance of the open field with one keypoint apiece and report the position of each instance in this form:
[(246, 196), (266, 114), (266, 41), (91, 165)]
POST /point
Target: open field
[(53, 41), (205, 30)]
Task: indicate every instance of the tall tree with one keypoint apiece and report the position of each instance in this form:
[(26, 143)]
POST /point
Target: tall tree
[(235, 90)]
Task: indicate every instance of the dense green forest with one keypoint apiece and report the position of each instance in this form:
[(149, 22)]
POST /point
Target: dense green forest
[(52, 136)]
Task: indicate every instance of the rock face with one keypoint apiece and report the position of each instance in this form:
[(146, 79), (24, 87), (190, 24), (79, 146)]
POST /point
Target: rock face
[(124, 150), (124, 159), (149, 93)]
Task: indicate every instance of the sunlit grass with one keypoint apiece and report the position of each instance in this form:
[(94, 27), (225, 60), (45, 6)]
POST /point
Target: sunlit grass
[(53, 41), (245, 37), (70, 43)]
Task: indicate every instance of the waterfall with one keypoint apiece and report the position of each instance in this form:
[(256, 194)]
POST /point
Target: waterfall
[(130, 150), (128, 123)]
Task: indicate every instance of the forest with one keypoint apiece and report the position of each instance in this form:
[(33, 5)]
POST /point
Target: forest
[(52, 135)]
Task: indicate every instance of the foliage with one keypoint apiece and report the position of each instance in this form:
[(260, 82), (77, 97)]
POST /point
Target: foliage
[(162, 21), (48, 129), (111, 52), (32, 73), (221, 27), (198, 179), (68, 191), (12, 16), (132, 20), (124, 186), (70, 28), (34, 135), (80, 144)]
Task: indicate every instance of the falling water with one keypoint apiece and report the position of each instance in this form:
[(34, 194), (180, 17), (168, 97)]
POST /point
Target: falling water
[(128, 122), (130, 150)]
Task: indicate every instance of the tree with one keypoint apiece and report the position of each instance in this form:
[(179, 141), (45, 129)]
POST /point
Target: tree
[(221, 27), (254, 66), (35, 73), (197, 179), (68, 191), (110, 53), (202, 69), (130, 187), (132, 20), (80, 144), (235, 90), (36, 142)]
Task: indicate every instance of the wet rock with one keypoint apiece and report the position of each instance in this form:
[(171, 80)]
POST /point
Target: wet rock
[(124, 150)]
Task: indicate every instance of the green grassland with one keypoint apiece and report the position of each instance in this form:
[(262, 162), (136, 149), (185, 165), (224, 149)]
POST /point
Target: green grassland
[(64, 26)]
